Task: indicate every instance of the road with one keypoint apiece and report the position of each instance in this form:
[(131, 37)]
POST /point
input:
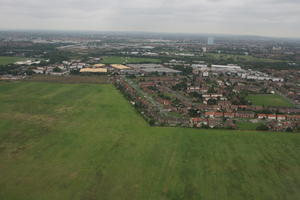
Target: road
[(146, 96)]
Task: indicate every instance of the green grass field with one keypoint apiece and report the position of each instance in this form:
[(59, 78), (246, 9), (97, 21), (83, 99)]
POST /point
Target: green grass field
[(4, 60), (240, 58), (268, 100), (85, 141), (128, 60), (244, 125)]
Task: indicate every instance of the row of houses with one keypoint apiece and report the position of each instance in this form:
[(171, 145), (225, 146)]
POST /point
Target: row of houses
[(250, 115), (228, 107), (147, 109), (212, 119), (211, 123), (279, 117), (283, 125), (241, 114)]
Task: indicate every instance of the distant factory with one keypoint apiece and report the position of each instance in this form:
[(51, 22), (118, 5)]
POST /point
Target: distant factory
[(233, 70), (216, 68), (153, 68)]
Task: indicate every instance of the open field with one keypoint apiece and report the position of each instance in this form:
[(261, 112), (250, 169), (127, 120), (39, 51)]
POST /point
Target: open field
[(240, 58), (70, 79), (128, 60), (245, 125), (4, 60), (85, 141), (268, 100)]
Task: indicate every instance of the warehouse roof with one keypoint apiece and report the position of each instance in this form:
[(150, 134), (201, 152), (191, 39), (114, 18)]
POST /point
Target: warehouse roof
[(94, 70)]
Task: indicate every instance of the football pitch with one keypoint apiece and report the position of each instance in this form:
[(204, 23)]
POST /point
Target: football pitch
[(128, 60), (4, 60), (269, 100)]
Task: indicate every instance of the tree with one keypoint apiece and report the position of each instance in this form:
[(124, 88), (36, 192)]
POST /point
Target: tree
[(152, 122), (154, 88), (75, 72), (194, 113), (212, 102), (185, 70), (29, 72), (211, 90), (57, 69), (180, 86), (289, 129), (262, 127), (43, 63), (196, 95)]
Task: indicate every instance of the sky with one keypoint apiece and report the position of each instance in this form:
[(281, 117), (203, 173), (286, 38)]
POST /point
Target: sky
[(279, 18)]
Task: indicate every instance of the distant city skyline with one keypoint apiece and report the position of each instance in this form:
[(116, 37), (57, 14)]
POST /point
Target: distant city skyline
[(275, 18)]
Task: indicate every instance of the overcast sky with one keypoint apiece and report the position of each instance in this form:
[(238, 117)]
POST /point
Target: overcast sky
[(252, 17)]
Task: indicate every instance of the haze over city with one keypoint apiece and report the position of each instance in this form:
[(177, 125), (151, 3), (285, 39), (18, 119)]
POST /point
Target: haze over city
[(279, 18)]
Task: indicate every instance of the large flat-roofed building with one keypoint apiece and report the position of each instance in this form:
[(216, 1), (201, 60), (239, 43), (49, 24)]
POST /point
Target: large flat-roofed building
[(93, 70), (144, 66), (217, 68), (160, 70), (228, 67), (120, 67), (153, 68), (98, 65)]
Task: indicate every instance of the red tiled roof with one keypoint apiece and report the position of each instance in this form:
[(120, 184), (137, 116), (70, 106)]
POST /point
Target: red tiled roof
[(281, 116), (262, 115)]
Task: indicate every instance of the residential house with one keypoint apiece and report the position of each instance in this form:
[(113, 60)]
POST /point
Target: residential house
[(244, 114)]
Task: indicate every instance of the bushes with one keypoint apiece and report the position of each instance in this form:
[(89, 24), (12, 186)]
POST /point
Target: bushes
[(262, 127)]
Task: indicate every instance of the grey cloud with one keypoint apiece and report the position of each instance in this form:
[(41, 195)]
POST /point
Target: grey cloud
[(263, 17)]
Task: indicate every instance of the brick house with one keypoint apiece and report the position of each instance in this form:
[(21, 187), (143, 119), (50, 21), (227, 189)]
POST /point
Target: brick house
[(244, 114), (293, 117), (198, 122), (272, 117), (229, 115), (214, 114), (262, 116), (281, 117)]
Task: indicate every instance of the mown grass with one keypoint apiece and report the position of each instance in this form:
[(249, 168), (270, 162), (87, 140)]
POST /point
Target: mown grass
[(268, 100), (240, 58), (128, 60), (4, 60), (85, 141), (244, 125)]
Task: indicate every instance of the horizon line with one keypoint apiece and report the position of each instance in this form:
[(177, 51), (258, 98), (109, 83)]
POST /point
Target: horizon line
[(154, 32)]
